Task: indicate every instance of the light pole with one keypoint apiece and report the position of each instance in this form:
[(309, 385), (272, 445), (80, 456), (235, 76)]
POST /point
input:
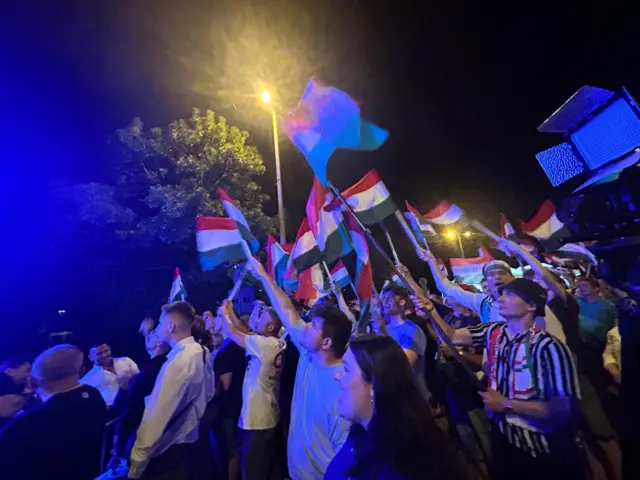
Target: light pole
[(454, 235), (265, 96)]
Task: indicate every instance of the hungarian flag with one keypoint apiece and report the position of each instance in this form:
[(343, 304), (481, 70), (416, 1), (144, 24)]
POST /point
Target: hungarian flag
[(304, 254), (328, 227), (310, 284), (340, 275), (469, 270), (177, 292), (218, 241), (546, 227), (277, 258), (444, 213), (369, 199), (234, 213), (418, 224), (364, 274), (326, 119)]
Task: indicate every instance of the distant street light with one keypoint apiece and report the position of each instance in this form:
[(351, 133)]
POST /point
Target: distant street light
[(265, 96), (453, 235)]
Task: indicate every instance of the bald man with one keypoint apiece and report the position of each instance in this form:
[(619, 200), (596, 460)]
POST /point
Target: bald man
[(62, 438)]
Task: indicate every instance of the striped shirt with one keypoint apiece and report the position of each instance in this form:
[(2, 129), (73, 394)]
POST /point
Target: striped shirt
[(532, 366)]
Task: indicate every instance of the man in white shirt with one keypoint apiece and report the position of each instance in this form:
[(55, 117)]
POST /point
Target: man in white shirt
[(109, 374), (261, 387), (165, 441)]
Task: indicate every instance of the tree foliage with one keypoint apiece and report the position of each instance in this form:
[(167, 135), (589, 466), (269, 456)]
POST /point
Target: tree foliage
[(143, 219)]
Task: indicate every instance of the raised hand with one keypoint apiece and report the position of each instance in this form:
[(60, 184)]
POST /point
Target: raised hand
[(425, 255)]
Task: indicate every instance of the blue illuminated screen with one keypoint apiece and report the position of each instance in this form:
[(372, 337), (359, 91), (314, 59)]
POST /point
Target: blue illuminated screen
[(609, 135), (560, 163)]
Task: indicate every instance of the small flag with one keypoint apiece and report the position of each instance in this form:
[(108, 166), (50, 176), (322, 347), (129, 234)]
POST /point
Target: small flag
[(218, 241), (340, 275), (234, 213), (328, 227), (469, 270), (364, 274), (546, 227), (444, 213), (310, 285), (577, 251), (506, 230), (178, 291), (304, 255), (326, 119), (277, 258), (418, 224), (369, 199)]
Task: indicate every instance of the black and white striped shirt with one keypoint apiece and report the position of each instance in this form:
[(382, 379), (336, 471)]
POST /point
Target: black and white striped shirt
[(532, 366)]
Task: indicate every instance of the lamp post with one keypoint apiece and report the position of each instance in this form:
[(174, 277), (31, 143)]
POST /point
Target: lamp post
[(265, 96), (454, 235)]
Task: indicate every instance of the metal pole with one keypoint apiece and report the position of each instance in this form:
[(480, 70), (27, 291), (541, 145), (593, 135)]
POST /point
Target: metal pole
[(460, 244), (390, 262), (276, 150)]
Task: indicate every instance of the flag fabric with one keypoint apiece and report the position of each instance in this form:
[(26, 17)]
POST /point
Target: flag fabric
[(234, 213), (218, 241), (577, 251), (304, 254), (177, 292), (340, 275), (418, 224), (364, 274), (328, 227), (326, 119), (506, 230), (469, 270), (277, 258), (310, 284), (369, 199), (444, 213), (546, 227)]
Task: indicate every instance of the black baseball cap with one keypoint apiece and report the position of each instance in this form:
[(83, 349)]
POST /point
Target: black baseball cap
[(530, 292)]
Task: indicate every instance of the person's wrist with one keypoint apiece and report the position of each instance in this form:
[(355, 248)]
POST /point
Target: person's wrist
[(507, 405)]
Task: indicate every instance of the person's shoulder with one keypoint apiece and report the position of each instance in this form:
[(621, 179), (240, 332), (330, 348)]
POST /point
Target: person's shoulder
[(85, 394), (547, 341)]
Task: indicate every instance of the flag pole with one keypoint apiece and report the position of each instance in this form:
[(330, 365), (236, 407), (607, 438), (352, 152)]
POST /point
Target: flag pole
[(236, 286), (390, 242), (409, 233), (367, 232), (355, 292)]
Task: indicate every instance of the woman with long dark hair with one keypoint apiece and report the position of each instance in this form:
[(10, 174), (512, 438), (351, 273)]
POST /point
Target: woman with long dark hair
[(393, 434)]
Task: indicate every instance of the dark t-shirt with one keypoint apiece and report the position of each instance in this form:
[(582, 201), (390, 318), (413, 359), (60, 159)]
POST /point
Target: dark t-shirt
[(61, 438), (8, 387), (230, 359), (568, 315)]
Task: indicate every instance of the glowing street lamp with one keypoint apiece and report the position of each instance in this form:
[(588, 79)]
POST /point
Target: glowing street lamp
[(453, 235), (450, 234), (467, 234), (265, 96)]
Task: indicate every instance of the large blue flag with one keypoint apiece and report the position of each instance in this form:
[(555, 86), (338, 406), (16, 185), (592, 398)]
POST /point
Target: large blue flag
[(325, 119)]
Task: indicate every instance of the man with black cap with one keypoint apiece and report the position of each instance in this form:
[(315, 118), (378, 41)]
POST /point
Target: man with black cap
[(533, 386), (497, 273)]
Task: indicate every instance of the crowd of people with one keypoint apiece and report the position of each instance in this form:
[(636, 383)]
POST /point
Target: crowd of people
[(520, 380)]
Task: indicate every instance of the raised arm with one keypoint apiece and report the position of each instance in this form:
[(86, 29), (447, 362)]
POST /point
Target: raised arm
[(229, 324), (541, 272), (425, 309), (279, 301), (470, 300)]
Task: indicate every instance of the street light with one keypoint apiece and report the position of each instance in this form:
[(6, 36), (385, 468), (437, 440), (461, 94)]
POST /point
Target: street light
[(453, 235), (265, 96), (467, 234)]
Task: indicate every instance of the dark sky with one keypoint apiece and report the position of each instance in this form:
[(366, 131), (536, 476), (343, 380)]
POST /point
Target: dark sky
[(461, 86)]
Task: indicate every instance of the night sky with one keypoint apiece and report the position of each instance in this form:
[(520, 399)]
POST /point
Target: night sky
[(461, 87)]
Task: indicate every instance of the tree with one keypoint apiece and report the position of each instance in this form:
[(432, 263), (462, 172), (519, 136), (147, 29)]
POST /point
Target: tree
[(164, 178)]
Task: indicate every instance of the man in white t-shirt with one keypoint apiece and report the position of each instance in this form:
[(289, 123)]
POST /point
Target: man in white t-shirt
[(109, 374), (261, 387)]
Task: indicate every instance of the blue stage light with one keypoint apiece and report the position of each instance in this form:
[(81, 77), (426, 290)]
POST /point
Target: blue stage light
[(560, 163)]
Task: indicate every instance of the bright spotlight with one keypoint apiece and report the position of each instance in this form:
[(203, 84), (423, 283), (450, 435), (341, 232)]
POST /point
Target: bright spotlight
[(265, 96)]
